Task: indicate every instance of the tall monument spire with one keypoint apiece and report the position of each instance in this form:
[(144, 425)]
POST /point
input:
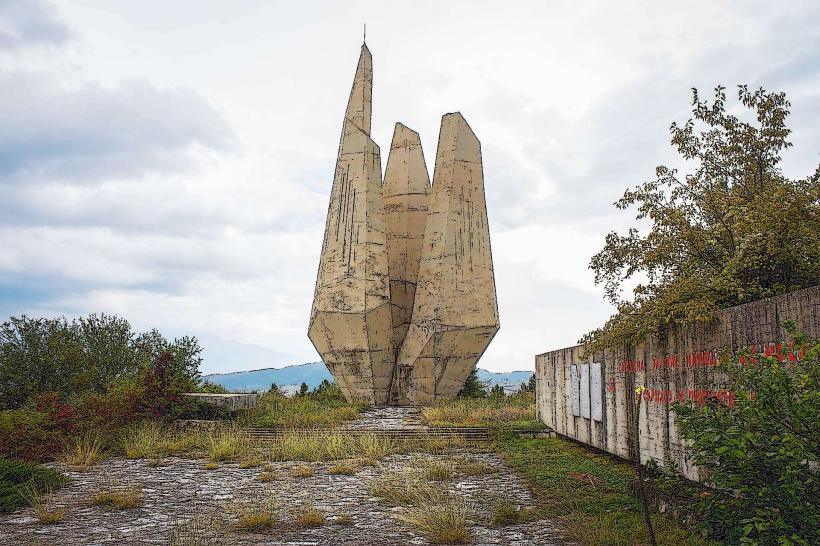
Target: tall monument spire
[(350, 320), (360, 104), (405, 300)]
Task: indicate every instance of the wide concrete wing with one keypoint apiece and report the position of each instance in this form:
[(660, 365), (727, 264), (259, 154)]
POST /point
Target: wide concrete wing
[(455, 313)]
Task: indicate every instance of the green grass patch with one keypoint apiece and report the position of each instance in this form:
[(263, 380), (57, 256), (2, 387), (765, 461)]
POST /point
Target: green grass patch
[(17, 477), (588, 493)]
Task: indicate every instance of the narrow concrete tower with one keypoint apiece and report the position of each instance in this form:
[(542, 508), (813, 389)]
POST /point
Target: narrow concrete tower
[(405, 189), (350, 322)]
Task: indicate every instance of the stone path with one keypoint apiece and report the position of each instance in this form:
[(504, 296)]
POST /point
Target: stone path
[(182, 497), (203, 503), (388, 418)]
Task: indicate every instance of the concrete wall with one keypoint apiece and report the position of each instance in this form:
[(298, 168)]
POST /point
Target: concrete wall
[(678, 365)]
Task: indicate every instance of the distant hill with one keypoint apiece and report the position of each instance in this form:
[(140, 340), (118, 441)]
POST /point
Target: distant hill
[(313, 373)]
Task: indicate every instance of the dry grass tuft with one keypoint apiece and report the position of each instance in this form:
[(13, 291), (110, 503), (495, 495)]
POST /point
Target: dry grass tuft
[(265, 477), (121, 499), (154, 463), (309, 516), (211, 466), (439, 472), (441, 523), (257, 517), (466, 466), (407, 489), (344, 519), (250, 463), (255, 521), (42, 504), (343, 469), (303, 471), (84, 451)]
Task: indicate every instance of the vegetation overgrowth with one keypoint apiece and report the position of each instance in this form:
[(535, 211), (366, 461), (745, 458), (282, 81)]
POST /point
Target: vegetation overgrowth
[(65, 381), (325, 407), (498, 410), (761, 453), (20, 482), (590, 495)]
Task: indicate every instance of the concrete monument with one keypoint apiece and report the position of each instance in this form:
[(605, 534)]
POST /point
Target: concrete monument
[(405, 300)]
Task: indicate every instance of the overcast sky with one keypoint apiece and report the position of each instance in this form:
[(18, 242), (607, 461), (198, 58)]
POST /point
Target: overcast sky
[(171, 162)]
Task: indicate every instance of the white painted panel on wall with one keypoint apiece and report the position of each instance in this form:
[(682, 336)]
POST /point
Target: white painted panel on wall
[(576, 390), (595, 381), (585, 390)]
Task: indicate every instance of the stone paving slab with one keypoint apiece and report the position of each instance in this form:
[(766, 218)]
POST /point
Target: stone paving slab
[(388, 418), (183, 491)]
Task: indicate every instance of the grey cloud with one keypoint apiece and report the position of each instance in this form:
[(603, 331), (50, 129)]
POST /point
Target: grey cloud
[(30, 22), (91, 132)]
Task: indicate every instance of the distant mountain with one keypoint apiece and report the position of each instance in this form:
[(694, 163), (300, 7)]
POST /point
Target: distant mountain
[(313, 373)]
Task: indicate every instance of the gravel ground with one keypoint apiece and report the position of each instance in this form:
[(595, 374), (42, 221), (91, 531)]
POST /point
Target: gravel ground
[(202, 503)]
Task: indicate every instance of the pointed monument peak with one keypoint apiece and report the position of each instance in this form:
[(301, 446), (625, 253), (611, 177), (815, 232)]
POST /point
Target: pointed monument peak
[(360, 104), (459, 120), (403, 135)]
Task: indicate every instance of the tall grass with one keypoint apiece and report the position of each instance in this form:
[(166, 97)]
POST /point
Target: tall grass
[(84, 450), (441, 523), (407, 489), (41, 501), (313, 411), (318, 446), (228, 445), (517, 409), (155, 440), (434, 511)]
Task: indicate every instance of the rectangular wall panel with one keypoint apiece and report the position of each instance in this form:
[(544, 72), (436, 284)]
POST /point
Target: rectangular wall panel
[(585, 390), (576, 390), (595, 391)]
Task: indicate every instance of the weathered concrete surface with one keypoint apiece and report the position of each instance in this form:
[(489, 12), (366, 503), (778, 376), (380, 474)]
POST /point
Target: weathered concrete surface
[(678, 365), (350, 320), (405, 300), (405, 189), (185, 496), (455, 313)]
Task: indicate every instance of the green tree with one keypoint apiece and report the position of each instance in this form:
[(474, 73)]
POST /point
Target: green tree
[(473, 388), (732, 230), (303, 389), (91, 354), (762, 452), (529, 386), (497, 392)]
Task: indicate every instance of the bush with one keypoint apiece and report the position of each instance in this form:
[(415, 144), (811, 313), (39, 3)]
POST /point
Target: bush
[(91, 354), (29, 435), (17, 476), (761, 451)]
